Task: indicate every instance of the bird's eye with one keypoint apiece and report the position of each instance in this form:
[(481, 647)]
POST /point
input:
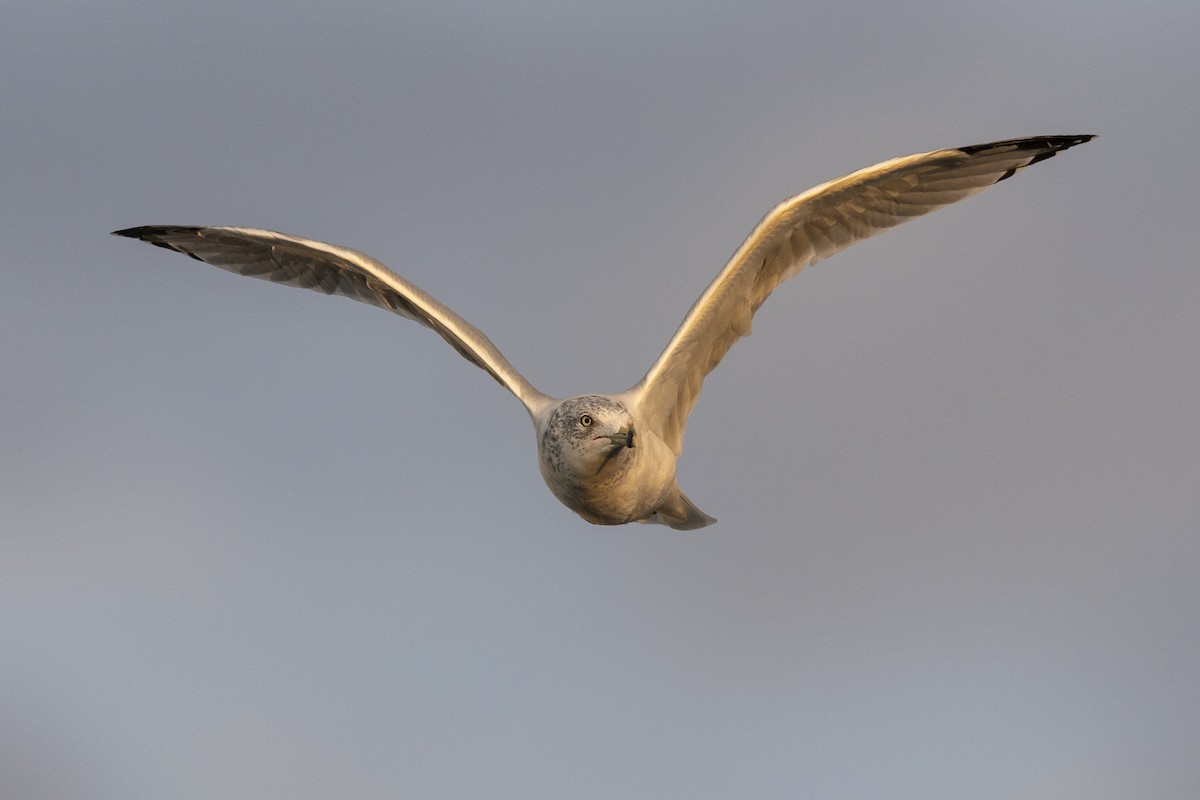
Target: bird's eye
[(586, 420)]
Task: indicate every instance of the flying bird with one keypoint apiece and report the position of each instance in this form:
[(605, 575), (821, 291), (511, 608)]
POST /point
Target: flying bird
[(611, 458)]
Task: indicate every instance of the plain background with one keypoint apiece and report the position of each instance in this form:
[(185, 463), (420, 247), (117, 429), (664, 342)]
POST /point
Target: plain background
[(260, 543)]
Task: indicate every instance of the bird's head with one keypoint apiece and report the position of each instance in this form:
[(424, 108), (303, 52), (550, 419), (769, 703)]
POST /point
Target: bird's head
[(584, 435)]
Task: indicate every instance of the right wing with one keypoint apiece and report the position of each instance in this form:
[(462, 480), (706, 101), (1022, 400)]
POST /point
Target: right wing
[(328, 268)]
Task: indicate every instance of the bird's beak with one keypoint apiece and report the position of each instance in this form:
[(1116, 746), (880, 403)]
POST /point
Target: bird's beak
[(622, 438)]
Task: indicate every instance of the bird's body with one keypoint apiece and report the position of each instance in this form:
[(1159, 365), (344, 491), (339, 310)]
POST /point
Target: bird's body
[(600, 462), (611, 458)]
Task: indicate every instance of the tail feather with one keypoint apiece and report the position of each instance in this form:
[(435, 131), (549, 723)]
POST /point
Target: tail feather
[(679, 513)]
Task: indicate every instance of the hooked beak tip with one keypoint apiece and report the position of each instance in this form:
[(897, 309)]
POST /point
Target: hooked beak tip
[(622, 438)]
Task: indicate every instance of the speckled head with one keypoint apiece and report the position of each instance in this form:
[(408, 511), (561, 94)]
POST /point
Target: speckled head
[(585, 436)]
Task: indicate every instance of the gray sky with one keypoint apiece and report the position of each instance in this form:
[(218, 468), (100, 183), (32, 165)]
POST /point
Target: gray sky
[(259, 543)]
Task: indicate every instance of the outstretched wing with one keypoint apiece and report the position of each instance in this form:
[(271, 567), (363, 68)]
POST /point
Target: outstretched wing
[(337, 270), (804, 229)]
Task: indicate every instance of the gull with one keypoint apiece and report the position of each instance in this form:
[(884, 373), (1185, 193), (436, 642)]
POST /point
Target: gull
[(611, 458)]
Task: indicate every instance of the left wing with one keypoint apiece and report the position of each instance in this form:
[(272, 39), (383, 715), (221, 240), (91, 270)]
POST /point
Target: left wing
[(804, 229)]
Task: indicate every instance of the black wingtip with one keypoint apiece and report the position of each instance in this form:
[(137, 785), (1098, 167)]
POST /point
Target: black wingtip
[(1038, 148), (147, 231), (1052, 144), (153, 234)]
